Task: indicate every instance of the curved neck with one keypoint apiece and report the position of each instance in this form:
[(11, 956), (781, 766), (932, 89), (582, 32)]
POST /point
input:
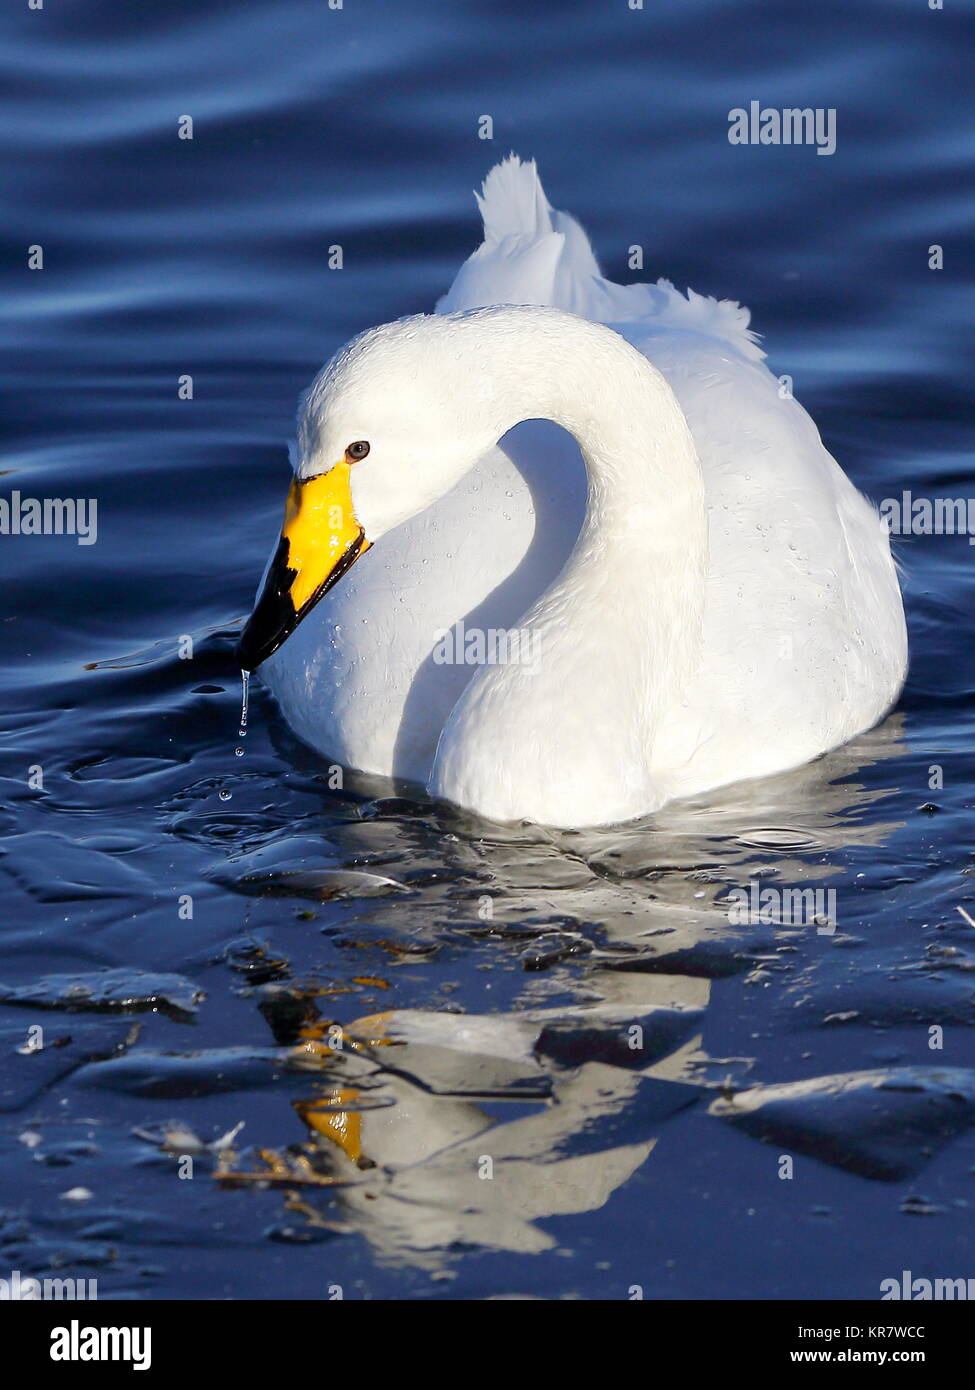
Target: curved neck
[(640, 561), (619, 633)]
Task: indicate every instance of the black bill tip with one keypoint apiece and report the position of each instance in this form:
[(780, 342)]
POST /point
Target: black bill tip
[(274, 618)]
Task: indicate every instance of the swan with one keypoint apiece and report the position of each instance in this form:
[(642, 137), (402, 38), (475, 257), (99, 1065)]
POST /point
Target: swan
[(708, 600)]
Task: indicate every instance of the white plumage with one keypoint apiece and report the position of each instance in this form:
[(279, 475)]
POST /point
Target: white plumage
[(719, 603)]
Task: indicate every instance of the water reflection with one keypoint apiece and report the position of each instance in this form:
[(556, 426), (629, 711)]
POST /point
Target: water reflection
[(429, 1132)]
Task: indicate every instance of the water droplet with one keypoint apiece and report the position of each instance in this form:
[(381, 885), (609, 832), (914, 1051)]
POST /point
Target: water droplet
[(238, 752), (224, 795), (245, 681)]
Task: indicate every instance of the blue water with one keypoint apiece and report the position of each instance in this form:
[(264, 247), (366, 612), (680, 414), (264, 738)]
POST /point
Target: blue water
[(125, 810)]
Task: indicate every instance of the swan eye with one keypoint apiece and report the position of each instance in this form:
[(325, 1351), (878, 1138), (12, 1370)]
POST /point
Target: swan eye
[(357, 451)]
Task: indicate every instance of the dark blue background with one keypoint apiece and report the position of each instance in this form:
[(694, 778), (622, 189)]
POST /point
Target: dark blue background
[(358, 127)]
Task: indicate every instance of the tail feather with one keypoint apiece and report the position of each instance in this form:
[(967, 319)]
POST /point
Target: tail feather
[(534, 254), (531, 254), (512, 201)]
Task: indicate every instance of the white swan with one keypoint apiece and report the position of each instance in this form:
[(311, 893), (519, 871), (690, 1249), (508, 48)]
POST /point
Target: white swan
[(720, 603)]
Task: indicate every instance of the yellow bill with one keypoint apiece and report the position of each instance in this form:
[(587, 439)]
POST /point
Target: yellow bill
[(320, 541)]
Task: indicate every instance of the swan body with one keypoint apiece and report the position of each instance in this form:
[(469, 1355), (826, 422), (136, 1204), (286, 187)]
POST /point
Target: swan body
[(703, 596)]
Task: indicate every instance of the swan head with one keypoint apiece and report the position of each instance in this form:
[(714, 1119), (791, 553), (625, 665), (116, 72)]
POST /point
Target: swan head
[(388, 426)]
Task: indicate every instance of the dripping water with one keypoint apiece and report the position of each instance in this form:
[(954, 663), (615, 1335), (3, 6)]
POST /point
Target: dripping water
[(245, 680), (245, 683)]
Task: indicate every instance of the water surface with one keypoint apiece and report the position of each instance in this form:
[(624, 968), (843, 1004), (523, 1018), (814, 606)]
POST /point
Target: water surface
[(190, 929)]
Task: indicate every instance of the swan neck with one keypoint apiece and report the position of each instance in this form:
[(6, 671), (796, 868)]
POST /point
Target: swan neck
[(634, 438), (638, 570), (646, 491), (621, 628)]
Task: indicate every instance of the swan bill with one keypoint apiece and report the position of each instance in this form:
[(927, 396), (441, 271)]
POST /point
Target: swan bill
[(320, 542)]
